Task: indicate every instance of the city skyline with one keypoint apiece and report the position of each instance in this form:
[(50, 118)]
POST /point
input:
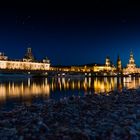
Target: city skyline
[(29, 55), (71, 33)]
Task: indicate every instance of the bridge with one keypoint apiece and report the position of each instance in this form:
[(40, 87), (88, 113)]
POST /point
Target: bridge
[(63, 72), (51, 70), (56, 72)]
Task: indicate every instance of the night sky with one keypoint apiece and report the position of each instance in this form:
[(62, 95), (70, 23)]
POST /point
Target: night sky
[(71, 33)]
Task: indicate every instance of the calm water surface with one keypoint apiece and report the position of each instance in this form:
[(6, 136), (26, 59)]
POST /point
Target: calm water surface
[(16, 90)]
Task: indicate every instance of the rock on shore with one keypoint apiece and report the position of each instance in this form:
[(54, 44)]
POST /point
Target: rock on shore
[(113, 116)]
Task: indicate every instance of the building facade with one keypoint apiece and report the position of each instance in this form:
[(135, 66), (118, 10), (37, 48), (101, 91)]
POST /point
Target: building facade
[(107, 67), (131, 66), (119, 65), (27, 63)]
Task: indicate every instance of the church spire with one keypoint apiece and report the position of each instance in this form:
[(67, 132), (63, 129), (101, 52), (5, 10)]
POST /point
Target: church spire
[(29, 55), (119, 64), (107, 61), (131, 60)]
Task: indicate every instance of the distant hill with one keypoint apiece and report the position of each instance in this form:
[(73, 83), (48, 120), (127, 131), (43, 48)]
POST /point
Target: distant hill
[(92, 64), (61, 66), (89, 65)]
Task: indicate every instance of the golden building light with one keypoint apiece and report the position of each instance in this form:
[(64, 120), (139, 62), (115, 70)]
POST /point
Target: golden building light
[(131, 66), (27, 63)]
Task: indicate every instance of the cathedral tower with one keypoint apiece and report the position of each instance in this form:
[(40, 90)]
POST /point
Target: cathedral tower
[(107, 61), (29, 56), (131, 61), (119, 64)]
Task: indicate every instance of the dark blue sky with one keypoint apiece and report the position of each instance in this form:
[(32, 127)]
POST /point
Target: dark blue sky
[(71, 33)]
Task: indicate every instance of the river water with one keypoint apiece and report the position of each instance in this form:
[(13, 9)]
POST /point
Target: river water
[(18, 90)]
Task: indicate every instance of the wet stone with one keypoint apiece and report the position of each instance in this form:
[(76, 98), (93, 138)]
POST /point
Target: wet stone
[(115, 116)]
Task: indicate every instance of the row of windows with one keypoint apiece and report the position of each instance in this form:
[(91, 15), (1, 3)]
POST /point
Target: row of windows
[(23, 66)]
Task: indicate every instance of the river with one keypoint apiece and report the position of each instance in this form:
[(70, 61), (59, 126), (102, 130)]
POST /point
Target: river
[(15, 90)]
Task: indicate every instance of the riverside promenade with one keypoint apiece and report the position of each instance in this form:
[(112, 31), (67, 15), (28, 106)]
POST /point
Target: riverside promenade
[(112, 116)]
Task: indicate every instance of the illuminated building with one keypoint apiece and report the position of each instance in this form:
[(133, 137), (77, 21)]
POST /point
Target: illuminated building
[(27, 63), (108, 67), (3, 57), (107, 61), (131, 66), (28, 56), (119, 64)]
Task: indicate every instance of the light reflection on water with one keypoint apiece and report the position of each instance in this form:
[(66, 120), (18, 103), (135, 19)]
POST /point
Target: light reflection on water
[(28, 88)]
